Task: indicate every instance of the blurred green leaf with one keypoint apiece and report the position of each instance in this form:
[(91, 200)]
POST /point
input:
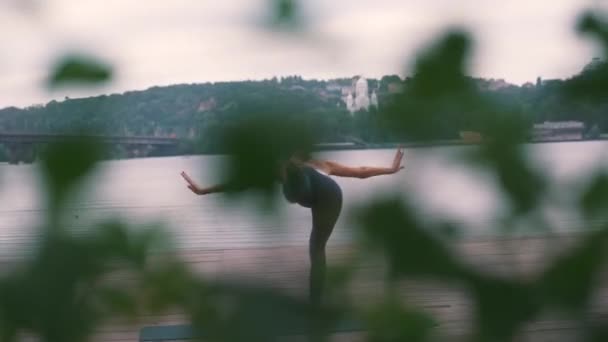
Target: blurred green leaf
[(390, 321), (437, 92), (67, 288), (285, 9), (258, 146), (408, 245), (523, 184), (592, 82), (286, 13), (594, 200), (248, 313), (589, 85), (337, 284), (113, 300), (62, 293), (67, 162), (571, 280), (597, 333), (440, 71), (167, 282), (118, 241), (502, 306), (75, 69), (595, 25)]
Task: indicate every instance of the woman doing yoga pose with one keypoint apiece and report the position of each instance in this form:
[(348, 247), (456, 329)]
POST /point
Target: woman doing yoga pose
[(306, 182)]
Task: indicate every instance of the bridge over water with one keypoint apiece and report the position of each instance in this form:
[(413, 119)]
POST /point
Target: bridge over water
[(23, 147)]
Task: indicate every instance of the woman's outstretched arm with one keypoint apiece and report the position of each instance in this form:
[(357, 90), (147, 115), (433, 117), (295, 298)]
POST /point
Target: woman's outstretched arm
[(339, 170), (195, 188)]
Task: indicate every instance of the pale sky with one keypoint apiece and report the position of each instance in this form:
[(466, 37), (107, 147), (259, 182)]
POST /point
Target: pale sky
[(163, 42)]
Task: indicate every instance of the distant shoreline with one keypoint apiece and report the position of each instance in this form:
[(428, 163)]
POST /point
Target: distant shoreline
[(328, 147), (436, 143)]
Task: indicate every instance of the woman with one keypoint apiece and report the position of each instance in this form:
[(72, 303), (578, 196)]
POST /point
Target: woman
[(306, 182)]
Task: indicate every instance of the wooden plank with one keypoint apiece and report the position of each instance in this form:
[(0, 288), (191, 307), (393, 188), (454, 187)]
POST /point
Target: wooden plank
[(286, 268)]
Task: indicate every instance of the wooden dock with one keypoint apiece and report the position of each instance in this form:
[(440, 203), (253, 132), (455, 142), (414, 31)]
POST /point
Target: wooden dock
[(286, 268)]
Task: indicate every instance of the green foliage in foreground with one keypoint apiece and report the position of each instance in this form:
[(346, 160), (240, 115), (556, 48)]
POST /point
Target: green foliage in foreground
[(73, 283)]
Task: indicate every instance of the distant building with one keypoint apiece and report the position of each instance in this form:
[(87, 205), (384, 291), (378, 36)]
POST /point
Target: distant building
[(471, 136), (333, 87), (323, 94), (350, 102), (297, 87), (493, 84), (361, 94), (498, 84), (374, 99), (347, 90), (528, 85), (559, 130), (357, 97), (207, 105)]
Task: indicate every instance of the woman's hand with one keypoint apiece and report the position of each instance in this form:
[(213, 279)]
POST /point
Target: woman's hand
[(193, 186), (396, 167)]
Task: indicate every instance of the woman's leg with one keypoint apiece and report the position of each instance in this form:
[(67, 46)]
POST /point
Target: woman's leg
[(324, 217)]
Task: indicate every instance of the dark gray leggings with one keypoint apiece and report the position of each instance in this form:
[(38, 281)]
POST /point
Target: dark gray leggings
[(325, 210)]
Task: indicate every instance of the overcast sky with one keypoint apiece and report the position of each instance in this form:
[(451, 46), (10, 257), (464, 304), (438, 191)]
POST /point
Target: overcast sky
[(162, 42)]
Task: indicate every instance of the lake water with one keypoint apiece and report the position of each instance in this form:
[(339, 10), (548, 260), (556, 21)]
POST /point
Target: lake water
[(151, 190)]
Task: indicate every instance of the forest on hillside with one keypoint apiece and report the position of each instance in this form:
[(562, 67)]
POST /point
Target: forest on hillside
[(199, 112)]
